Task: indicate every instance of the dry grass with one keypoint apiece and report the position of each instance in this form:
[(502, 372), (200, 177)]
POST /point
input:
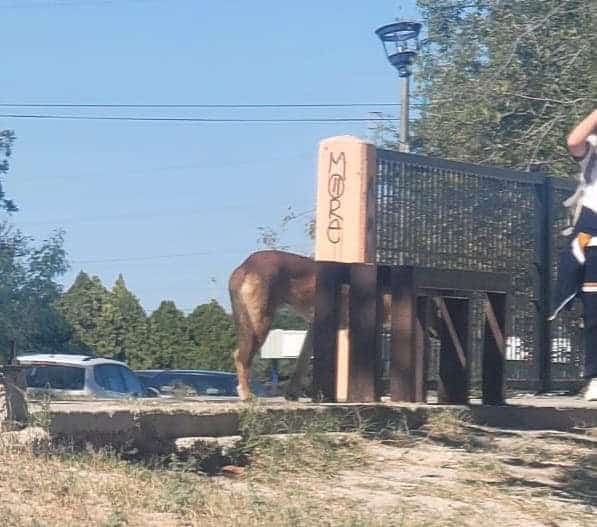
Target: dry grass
[(101, 490), (448, 473)]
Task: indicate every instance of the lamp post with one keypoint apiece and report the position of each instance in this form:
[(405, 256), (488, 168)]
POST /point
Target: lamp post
[(401, 44)]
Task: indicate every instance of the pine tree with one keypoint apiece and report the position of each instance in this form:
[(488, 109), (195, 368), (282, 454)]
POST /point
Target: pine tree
[(211, 332), (168, 341), (86, 306), (129, 326)]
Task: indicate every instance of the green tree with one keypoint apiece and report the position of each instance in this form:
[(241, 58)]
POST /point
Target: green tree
[(28, 291), (211, 332), (502, 82), (129, 326), (28, 287), (168, 341), (86, 306), (285, 318)]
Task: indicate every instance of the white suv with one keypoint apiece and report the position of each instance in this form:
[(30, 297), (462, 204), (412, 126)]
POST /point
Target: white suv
[(79, 376)]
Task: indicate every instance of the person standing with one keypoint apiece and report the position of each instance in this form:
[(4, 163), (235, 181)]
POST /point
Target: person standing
[(577, 274)]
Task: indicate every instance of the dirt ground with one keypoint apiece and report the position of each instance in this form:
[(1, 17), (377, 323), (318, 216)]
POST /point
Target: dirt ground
[(450, 473), (520, 480)]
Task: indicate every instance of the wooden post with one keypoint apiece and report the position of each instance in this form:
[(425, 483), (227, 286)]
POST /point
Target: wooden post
[(345, 207), (325, 330), (383, 316), (342, 344), (494, 349), (453, 370), (362, 322), (406, 383)]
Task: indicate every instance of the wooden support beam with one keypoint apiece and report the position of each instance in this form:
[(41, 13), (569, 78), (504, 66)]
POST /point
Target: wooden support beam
[(406, 383), (423, 344), (494, 326), (454, 336), (452, 332), (325, 330), (380, 327), (362, 321), (494, 349)]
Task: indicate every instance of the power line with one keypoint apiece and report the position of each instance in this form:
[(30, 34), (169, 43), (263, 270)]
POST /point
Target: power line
[(177, 168), (205, 120), (203, 106), (152, 214), (161, 256), (211, 252), (69, 3)]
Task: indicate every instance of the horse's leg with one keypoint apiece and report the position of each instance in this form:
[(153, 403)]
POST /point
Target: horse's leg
[(302, 364), (242, 364), (251, 305), (251, 335)]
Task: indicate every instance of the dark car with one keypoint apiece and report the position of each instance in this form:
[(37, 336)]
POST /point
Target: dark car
[(194, 382)]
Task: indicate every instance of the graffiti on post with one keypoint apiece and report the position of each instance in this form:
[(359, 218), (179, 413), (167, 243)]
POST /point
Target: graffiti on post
[(336, 187)]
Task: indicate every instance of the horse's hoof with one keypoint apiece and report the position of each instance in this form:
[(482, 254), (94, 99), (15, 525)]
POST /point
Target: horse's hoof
[(243, 395)]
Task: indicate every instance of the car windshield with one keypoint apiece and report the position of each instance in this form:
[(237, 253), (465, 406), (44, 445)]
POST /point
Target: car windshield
[(202, 384), (56, 377), (116, 378)]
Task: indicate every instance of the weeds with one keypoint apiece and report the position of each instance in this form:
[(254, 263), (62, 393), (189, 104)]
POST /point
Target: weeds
[(377, 473), (116, 518), (307, 446), (42, 418), (179, 494)]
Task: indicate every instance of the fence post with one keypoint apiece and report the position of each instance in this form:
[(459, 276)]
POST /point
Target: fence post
[(545, 267)]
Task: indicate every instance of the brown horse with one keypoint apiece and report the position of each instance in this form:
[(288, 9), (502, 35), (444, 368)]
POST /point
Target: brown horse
[(265, 281)]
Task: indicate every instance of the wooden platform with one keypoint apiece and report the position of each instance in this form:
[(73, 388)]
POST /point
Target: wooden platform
[(348, 321)]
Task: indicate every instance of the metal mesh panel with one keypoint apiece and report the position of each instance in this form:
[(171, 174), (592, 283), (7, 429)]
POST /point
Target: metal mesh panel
[(441, 214), (567, 339)]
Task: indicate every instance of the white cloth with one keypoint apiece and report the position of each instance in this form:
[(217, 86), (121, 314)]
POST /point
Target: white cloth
[(586, 192), (588, 176)]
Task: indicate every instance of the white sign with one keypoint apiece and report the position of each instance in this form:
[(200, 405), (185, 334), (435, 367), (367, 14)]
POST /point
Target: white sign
[(283, 344)]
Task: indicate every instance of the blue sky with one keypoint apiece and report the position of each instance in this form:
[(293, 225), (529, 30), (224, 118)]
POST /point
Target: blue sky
[(175, 207)]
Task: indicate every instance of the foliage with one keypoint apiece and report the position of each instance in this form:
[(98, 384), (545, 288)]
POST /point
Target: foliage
[(86, 307), (272, 237), (285, 318), (168, 339), (106, 323), (502, 82), (211, 332), (28, 274), (7, 138), (113, 323), (28, 291), (129, 326)]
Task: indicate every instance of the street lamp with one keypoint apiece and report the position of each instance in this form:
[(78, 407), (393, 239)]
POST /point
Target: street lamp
[(401, 44)]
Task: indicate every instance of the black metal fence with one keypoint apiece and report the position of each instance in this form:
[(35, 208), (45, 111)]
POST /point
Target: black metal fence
[(443, 214)]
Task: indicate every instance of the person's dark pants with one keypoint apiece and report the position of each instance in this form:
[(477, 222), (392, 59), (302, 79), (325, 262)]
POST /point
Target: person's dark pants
[(589, 297)]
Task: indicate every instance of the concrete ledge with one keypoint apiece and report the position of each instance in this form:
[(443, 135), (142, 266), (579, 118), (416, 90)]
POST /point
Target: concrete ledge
[(156, 425), (535, 417)]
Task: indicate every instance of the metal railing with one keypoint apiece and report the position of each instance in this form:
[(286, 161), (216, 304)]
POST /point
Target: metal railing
[(450, 215)]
